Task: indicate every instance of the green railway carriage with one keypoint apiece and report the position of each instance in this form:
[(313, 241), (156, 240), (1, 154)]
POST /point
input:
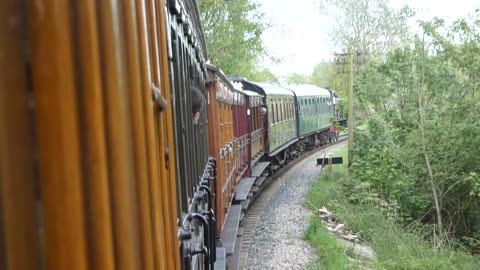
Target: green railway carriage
[(314, 108), (281, 117)]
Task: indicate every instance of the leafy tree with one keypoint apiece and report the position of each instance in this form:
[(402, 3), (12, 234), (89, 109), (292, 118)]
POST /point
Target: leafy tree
[(324, 74), (421, 148), (297, 78), (233, 32), (371, 28), (367, 25), (263, 75)]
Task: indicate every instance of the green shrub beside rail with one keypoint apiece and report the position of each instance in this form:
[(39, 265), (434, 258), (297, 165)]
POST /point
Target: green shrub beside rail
[(374, 220)]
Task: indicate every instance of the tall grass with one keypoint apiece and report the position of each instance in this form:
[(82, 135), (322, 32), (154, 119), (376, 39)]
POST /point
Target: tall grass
[(395, 247), (331, 253)]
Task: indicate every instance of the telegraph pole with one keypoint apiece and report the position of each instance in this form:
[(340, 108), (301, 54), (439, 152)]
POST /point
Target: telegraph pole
[(350, 106), (347, 59)]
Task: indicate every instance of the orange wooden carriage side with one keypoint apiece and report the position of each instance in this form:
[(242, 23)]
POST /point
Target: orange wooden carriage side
[(221, 142), (106, 198)]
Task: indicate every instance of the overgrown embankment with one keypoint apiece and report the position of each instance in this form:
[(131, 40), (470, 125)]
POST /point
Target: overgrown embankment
[(397, 244)]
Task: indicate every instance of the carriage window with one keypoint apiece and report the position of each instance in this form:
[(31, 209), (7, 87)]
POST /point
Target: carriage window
[(293, 109), (272, 112), (282, 111), (277, 113), (289, 110)]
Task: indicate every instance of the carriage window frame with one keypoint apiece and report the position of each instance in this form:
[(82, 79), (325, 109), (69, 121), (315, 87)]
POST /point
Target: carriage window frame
[(272, 112), (276, 112), (281, 110), (289, 110)]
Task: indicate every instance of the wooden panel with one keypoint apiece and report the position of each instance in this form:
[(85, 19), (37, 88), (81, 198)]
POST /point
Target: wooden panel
[(18, 227), (213, 143), (138, 133), (149, 62), (221, 162), (118, 137), (58, 135), (94, 145), (171, 215)]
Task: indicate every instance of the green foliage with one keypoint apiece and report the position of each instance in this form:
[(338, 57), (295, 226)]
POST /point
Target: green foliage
[(263, 75), (323, 75), (367, 25), (233, 32), (395, 246), (296, 78), (420, 149), (331, 252), (325, 191), (380, 170)]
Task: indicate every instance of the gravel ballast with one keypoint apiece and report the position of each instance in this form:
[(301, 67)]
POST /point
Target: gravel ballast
[(277, 242)]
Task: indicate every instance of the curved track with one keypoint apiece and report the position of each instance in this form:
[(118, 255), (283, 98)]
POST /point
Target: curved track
[(256, 209)]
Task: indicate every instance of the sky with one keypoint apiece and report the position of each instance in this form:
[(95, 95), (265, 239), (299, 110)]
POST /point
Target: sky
[(299, 36)]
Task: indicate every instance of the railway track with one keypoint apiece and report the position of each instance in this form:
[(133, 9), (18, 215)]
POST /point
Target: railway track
[(258, 204)]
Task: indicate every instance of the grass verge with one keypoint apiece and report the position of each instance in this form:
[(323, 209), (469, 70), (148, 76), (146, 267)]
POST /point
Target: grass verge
[(332, 255), (395, 247)]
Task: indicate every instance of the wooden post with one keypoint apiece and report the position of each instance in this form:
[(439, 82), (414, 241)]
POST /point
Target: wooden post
[(350, 106)]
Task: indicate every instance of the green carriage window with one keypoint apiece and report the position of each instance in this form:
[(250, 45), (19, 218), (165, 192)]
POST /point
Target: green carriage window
[(272, 112), (277, 113), (291, 110), (281, 109)]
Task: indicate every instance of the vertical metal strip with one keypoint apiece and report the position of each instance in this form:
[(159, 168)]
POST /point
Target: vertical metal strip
[(58, 135), (93, 135), (20, 239), (118, 136)]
